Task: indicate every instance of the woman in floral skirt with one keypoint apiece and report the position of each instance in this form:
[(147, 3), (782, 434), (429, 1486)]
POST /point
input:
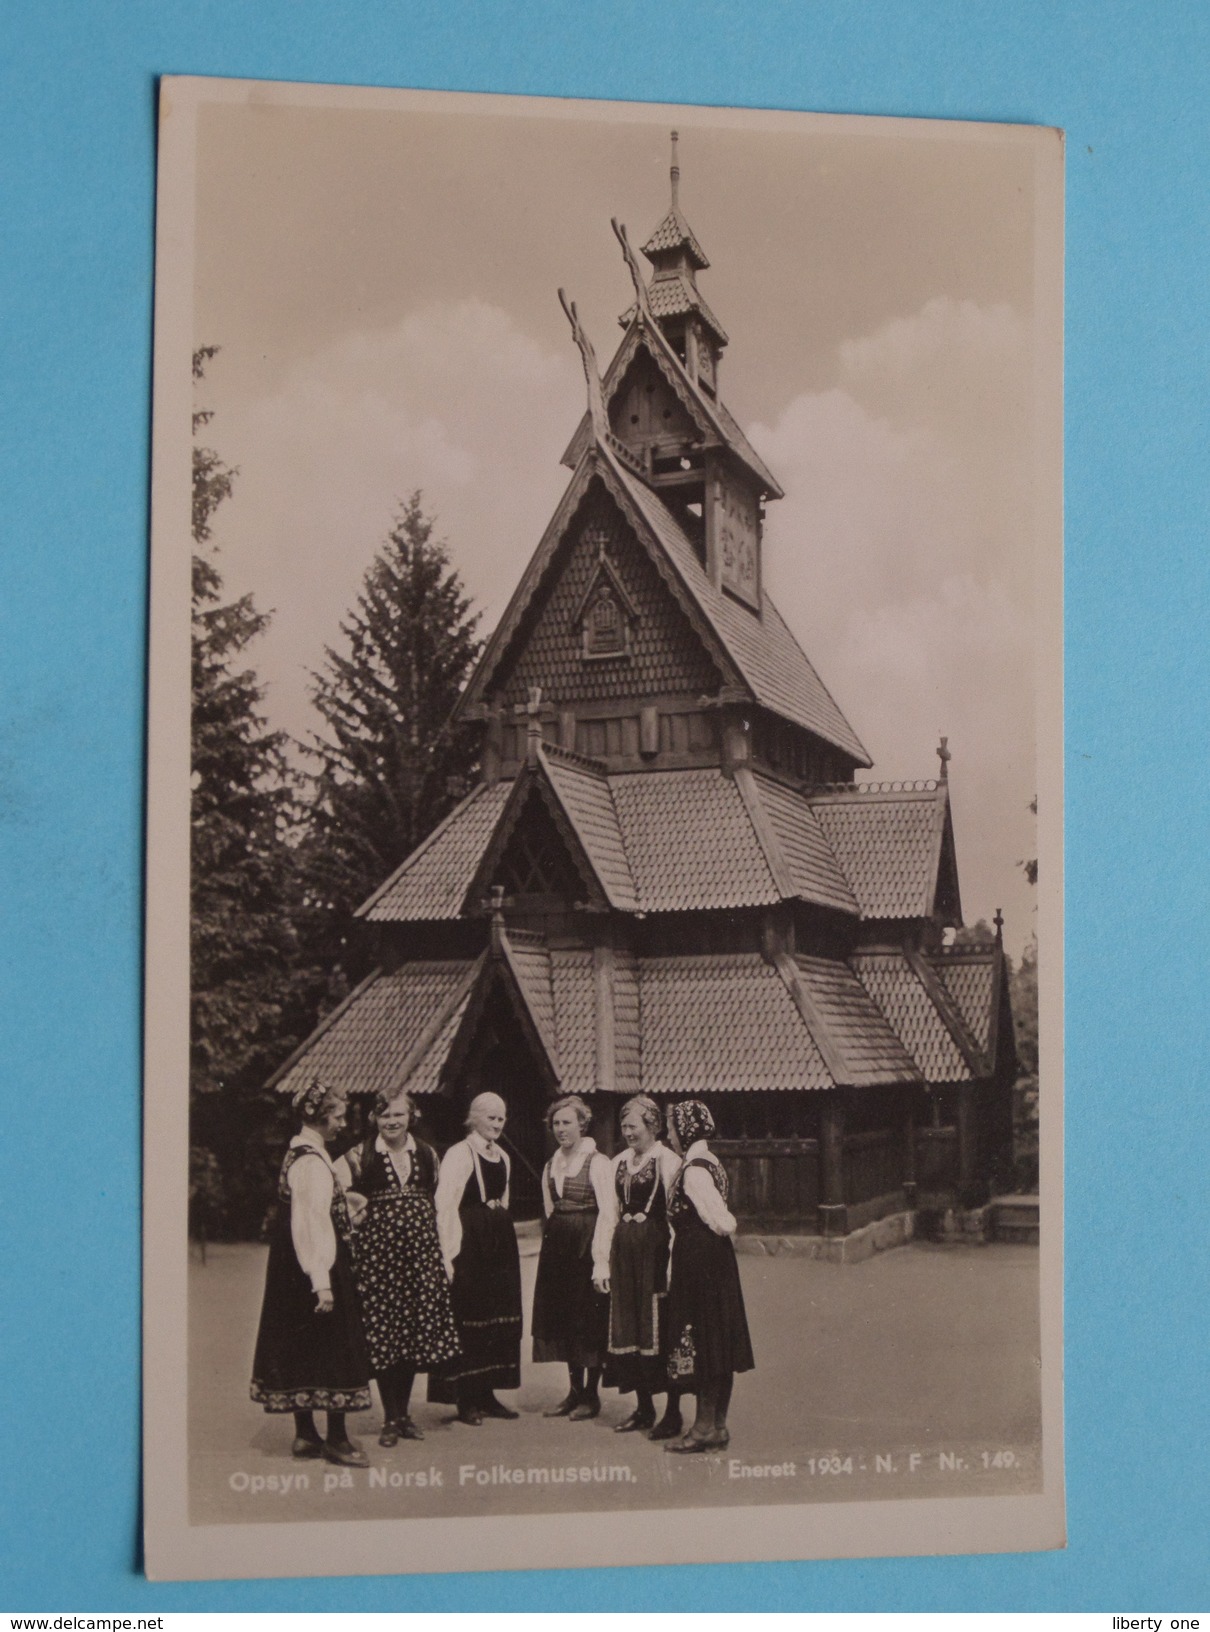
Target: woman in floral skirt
[(405, 1293)]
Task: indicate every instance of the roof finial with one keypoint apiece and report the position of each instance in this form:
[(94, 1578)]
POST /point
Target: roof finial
[(998, 920), (636, 275), (944, 755), (676, 173), (596, 400)]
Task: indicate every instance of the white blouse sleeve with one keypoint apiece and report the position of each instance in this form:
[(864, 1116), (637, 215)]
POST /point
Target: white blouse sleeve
[(456, 1167), (548, 1190), (311, 1221), (670, 1166), (600, 1171), (710, 1206)]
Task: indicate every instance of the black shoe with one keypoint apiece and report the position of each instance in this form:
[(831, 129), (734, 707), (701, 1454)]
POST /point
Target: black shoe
[(669, 1427), (638, 1422), (408, 1429), (565, 1407), (305, 1446), (691, 1445), (492, 1407), (345, 1454), (589, 1407), (389, 1435), (470, 1415)]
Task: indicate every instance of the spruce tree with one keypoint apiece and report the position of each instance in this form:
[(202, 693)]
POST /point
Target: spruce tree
[(243, 886), (389, 763)]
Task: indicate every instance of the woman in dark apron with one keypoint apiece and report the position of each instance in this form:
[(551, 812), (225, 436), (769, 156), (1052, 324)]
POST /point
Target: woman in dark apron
[(310, 1348), (479, 1248), (708, 1338), (637, 1361), (571, 1293)]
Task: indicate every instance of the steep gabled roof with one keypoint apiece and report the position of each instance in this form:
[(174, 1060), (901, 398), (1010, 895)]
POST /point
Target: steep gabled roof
[(759, 655), (716, 422), (535, 782), (584, 792), (894, 843), (432, 882), (771, 664), (381, 1033)]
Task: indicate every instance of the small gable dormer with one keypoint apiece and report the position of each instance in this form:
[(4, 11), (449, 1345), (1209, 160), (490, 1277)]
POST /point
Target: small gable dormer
[(607, 617)]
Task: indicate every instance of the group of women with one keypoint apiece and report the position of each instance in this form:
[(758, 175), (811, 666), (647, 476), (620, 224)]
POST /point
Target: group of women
[(386, 1263)]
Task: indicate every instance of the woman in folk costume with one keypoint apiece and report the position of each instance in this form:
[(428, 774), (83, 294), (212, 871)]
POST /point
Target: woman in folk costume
[(571, 1293), (311, 1349), (405, 1292), (637, 1361), (479, 1246), (707, 1328)]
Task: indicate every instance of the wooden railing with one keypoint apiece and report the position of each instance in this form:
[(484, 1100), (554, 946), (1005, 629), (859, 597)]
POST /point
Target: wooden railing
[(771, 1178), (873, 1165), (936, 1159)]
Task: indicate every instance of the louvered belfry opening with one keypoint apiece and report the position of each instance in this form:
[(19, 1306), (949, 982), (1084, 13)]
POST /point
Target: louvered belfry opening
[(671, 879)]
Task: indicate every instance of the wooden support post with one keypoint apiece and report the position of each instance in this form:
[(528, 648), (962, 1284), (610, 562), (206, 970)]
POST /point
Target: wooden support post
[(833, 1214), (909, 1147), (567, 729), (968, 1183)]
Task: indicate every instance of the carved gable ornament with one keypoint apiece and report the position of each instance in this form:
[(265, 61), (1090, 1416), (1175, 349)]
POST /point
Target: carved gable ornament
[(607, 616)]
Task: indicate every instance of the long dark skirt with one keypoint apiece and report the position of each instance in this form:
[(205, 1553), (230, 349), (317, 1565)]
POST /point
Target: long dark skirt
[(486, 1296), (306, 1361), (571, 1318), (638, 1326), (707, 1326)]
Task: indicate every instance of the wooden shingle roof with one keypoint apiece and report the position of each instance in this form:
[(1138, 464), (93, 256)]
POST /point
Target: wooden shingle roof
[(892, 841), (904, 998), (383, 1031), (433, 881), (723, 1023)]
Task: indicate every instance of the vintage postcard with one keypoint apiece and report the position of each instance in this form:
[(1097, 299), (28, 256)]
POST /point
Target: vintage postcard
[(604, 937)]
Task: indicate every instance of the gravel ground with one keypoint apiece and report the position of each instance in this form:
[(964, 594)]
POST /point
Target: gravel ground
[(913, 1374)]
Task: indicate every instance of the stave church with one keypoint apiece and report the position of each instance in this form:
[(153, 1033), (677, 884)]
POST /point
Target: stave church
[(671, 878)]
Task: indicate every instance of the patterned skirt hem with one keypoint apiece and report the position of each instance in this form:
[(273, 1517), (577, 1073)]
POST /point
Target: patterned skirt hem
[(311, 1399)]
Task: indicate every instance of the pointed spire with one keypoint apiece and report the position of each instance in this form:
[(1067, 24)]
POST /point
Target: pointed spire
[(675, 174)]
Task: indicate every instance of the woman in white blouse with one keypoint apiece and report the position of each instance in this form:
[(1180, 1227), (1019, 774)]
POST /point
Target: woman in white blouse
[(310, 1349), (638, 1268), (708, 1338), (479, 1248), (571, 1293)]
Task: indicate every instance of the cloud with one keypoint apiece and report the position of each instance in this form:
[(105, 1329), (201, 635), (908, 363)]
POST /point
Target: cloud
[(456, 400), (902, 558)]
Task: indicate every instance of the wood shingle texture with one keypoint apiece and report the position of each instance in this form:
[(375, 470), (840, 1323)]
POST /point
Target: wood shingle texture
[(888, 841), (433, 881), (870, 1053), (723, 1023), (970, 979), (901, 995), (372, 1042)]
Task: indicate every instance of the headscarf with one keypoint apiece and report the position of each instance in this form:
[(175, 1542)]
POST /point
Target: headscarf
[(313, 1099), (692, 1122)]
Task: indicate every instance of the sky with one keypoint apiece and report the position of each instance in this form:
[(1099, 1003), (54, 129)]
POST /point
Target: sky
[(382, 285)]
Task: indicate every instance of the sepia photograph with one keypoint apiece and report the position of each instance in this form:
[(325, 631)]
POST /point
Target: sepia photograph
[(604, 922)]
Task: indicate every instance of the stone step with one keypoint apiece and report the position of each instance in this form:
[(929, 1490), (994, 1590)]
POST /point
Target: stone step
[(1014, 1218)]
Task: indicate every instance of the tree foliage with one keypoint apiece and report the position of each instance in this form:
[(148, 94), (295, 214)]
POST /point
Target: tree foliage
[(389, 763), (243, 884)]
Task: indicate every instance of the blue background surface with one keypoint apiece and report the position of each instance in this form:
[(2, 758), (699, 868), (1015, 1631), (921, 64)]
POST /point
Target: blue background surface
[(1130, 84)]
